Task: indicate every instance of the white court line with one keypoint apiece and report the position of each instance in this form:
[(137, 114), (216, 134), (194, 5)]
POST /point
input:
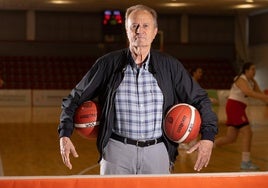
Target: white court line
[(205, 175), (88, 169)]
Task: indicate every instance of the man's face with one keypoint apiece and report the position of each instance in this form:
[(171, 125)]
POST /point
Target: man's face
[(140, 28), (199, 73)]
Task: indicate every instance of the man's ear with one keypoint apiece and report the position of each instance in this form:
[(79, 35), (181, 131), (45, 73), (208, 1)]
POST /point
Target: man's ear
[(155, 32)]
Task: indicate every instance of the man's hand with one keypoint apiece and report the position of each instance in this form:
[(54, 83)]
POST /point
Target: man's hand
[(67, 147), (204, 149)]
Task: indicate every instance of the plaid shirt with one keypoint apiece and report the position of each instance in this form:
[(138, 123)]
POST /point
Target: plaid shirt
[(138, 103)]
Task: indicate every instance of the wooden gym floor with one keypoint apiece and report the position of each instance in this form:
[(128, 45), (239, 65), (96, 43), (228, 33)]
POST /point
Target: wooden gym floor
[(29, 145)]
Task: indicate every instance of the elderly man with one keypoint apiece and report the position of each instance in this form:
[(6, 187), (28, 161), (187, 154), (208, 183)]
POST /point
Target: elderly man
[(135, 87)]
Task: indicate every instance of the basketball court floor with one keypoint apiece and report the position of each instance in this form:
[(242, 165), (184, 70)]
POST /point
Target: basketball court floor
[(29, 145)]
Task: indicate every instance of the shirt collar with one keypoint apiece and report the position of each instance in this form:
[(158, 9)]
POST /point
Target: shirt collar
[(145, 63)]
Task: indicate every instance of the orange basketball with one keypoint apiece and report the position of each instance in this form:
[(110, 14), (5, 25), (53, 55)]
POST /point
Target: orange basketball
[(182, 123), (86, 119)]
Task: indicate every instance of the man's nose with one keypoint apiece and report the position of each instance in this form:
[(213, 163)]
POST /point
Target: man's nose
[(138, 29)]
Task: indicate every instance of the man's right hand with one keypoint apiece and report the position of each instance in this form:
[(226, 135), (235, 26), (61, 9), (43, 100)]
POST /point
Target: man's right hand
[(67, 147)]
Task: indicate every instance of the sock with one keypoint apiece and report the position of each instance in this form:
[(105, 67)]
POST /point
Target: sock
[(245, 156)]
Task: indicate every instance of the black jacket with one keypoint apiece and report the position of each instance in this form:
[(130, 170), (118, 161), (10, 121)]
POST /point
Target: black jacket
[(105, 76)]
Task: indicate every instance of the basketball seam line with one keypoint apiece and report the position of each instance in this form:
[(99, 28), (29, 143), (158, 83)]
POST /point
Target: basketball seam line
[(84, 125)]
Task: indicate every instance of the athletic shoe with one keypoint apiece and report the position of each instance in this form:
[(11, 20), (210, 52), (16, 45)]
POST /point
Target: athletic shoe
[(248, 166)]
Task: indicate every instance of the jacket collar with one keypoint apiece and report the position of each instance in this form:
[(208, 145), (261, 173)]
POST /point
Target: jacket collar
[(127, 59)]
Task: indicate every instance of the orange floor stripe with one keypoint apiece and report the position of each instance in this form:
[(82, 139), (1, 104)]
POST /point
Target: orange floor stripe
[(211, 180)]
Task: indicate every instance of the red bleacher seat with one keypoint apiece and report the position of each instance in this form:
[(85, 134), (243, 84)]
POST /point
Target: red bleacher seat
[(218, 73), (55, 72), (26, 72)]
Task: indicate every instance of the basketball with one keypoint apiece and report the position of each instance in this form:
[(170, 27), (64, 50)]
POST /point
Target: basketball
[(182, 123), (86, 119)]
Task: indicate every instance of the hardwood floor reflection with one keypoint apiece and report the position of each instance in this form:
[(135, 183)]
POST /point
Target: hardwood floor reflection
[(29, 145)]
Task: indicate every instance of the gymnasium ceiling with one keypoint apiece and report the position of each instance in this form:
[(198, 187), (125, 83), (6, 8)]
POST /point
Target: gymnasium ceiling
[(163, 6)]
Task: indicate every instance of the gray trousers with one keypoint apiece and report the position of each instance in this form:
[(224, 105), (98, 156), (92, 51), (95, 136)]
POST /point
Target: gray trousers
[(120, 158)]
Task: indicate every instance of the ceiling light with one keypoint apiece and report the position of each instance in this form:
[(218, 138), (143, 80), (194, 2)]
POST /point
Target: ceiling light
[(245, 6), (60, 2), (175, 4)]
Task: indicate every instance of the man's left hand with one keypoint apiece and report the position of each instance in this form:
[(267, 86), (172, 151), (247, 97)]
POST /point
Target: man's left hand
[(204, 149)]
